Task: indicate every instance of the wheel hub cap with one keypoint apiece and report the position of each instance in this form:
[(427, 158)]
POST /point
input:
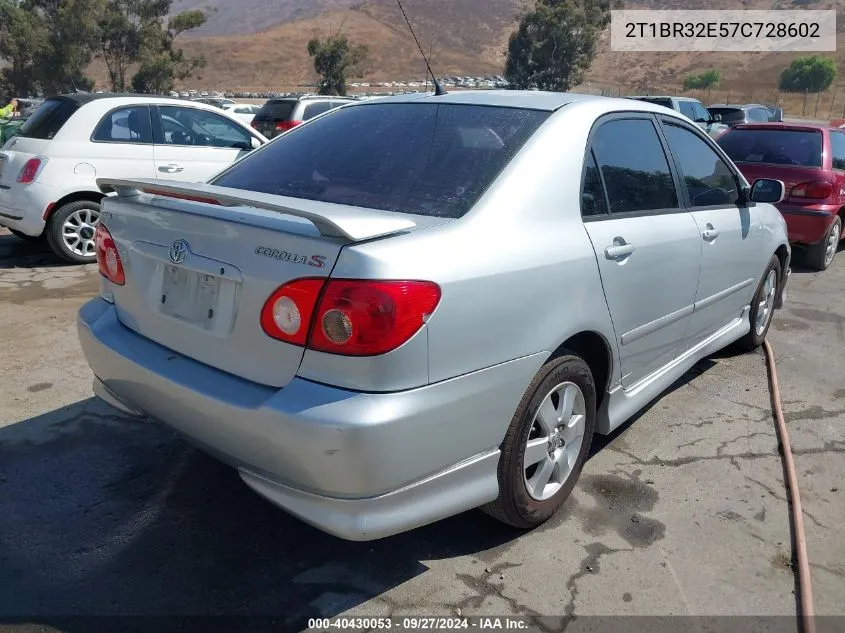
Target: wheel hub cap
[(765, 308), (78, 232), (554, 441)]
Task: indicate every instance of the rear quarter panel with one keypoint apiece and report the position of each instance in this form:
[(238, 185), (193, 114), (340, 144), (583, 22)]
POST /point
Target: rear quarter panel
[(518, 273)]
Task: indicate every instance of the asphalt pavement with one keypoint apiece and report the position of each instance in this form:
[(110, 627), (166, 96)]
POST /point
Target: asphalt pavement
[(681, 512)]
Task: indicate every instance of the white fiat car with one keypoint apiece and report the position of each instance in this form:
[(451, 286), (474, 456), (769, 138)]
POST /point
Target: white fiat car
[(48, 171)]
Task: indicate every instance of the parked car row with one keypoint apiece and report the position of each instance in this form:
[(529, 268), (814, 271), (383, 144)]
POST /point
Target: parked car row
[(418, 305)]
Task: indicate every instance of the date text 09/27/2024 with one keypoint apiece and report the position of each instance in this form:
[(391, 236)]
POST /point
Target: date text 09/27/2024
[(480, 623)]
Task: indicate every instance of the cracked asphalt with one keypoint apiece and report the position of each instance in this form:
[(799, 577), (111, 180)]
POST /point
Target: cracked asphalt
[(682, 512)]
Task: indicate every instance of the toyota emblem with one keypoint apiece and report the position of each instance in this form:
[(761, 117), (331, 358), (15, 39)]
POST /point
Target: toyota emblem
[(179, 251)]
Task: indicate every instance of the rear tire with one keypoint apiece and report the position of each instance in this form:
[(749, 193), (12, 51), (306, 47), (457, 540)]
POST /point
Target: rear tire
[(762, 307), (70, 231), (820, 256), (554, 431), (25, 237)]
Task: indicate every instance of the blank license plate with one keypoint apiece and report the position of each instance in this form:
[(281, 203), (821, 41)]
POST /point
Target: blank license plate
[(190, 296)]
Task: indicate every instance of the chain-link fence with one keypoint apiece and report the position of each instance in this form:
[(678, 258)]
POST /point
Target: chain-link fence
[(824, 106)]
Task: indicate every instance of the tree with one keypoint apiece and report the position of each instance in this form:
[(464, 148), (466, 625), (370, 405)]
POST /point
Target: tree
[(703, 80), (23, 35), (335, 60), (162, 63), (811, 74), (72, 33), (555, 43), (121, 40)]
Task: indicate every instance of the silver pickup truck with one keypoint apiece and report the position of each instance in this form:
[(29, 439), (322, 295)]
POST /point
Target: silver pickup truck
[(693, 109)]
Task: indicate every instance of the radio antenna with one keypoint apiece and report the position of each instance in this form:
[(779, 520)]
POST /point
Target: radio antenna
[(438, 89)]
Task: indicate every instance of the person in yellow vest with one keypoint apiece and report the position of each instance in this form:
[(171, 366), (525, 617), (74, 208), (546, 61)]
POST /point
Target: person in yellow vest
[(9, 110)]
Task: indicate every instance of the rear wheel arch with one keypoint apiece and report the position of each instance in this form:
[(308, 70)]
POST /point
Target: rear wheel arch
[(596, 352), (91, 196)]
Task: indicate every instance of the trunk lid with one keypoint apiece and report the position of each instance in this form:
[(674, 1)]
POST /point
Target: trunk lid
[(198, 275), (272, 113), (789, 175)]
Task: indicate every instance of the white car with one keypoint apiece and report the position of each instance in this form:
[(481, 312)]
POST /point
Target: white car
[(48, 171), (244, 111)]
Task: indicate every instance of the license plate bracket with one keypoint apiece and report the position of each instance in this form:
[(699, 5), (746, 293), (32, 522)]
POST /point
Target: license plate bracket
[(190, 296)]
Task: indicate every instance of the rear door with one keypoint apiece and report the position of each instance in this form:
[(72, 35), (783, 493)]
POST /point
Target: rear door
[(730, 233), (193, 145), (647, 246)]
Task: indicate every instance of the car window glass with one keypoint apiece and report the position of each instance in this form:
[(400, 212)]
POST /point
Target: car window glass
[(194, 127), (314, 109), (708, 180), (126, 125), (592, 195), (687, 110), (634, 166), (837, 146), (773, 146), (427, 159), (758, 115), (700, 112), (48, 119)]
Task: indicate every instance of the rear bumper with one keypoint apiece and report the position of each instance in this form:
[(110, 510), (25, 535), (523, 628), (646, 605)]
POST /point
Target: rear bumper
[(808, 224), (22, 206), (357, 465)]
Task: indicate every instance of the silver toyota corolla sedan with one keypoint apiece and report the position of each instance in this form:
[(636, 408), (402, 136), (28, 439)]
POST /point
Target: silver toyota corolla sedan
[(415, 306)]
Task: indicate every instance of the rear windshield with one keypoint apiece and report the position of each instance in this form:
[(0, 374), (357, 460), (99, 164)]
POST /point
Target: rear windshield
[(666, 103), (276, 110), (426, 159), (729, 115), (47, 120), (775, 147)]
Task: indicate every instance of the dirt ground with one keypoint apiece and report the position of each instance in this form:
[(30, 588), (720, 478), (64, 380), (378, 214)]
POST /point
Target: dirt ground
[(682, 512)]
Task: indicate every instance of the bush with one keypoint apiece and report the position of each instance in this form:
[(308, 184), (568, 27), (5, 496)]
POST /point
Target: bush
[(707, 79), (811, 74)]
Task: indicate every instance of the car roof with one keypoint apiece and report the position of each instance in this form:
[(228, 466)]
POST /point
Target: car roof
[(662, 97), (82, 98), (739, 106), (529, 99), (800, 127)]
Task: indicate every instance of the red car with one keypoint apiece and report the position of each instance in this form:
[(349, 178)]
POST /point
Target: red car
[(810, 160)]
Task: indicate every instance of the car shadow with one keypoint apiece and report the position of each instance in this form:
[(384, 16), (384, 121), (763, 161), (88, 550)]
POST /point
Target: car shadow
[(16, 252), (106, 515), (798, 260)]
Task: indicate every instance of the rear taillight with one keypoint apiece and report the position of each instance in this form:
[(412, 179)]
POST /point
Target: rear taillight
[(108, 259), (30, 170), (284, 126), (353, 318), (817, 190), (287, 313)]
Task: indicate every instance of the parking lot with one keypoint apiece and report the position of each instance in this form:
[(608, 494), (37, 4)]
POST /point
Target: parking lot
[(681, 512)]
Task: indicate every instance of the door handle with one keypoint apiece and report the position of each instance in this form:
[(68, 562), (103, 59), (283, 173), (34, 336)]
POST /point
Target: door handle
[(170, 169), (619, 250), (710, 233)]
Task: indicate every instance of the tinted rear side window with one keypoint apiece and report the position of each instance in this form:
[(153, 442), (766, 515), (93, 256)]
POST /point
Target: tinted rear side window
[(666, 103), (729, 115), (276, 110), (46, 122), (426, 159), (313, 109), (773, 147), (634, 166)]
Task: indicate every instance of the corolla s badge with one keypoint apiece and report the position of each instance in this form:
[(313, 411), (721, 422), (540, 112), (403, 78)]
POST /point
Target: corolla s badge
[(179, 251)]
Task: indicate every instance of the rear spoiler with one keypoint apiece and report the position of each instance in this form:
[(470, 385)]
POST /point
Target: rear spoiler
[(332, 220)]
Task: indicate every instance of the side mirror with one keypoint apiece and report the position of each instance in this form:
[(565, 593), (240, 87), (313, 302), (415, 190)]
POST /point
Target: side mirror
[(717, 118), (255, 143), (767, 190)]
